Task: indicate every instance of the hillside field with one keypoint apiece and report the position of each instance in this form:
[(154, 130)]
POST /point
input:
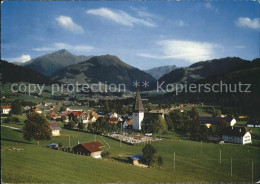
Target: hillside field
[(195, 162)]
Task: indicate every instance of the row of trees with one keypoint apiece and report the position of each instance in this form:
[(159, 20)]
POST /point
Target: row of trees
[(188, 122)]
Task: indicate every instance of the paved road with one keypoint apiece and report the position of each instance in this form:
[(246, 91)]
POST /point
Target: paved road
[(12, 127)]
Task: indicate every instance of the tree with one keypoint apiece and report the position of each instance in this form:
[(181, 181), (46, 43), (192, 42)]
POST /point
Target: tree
[(71, 124), (105, 154), (36, 127), (90, 128), (62, 119), (194, 123), (169, 122), (155, 125), (216, 113), (221, 126), (204, 133), (62, 108), (101, 126), (16, 107), (160, 161), (149, 155), (80, 126), (106, 106)]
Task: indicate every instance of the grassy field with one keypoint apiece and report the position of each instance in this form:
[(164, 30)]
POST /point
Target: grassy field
[(195, 162), (204, 110)]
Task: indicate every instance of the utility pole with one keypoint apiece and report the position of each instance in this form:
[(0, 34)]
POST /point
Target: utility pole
[(69, 140), (200, 147), (219, 156), (252, 171), (231, 167), (174, 162), (95, 138)]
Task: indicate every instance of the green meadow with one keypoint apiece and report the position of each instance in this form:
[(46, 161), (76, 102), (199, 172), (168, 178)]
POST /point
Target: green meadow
[(194, 161)]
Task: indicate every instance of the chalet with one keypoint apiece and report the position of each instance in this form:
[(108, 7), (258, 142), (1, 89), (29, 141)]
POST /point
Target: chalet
[(6, 109), (238, 135), (55, 129), (90, 117), (74, 114), (93, 149), (208, 121)]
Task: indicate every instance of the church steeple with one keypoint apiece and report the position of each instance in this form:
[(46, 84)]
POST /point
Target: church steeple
[(138, 105)]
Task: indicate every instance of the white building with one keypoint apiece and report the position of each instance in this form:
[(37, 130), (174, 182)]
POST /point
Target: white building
[(238, 135), (138, 112), (55, 129), (6, 109)]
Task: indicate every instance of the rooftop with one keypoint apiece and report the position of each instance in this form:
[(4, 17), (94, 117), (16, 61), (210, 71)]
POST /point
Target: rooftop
[(54, 126), (138, 105)]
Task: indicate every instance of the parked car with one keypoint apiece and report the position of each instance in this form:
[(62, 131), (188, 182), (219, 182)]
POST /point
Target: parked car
[(53, 146)]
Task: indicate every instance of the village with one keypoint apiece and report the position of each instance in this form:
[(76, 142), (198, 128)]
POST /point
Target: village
[(125, 128)]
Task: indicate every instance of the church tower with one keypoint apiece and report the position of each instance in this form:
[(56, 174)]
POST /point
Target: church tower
[(138, 111)]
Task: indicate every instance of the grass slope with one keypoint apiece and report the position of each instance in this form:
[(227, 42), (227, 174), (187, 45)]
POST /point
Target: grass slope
[(195, 162)]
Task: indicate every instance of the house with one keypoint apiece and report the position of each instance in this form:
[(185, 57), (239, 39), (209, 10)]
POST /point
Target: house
[(238, 135), (55, 129), (74, 114), (93, 149), (208, 121), (6, 109), (35, 109)]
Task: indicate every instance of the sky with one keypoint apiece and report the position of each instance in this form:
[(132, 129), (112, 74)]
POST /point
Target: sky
[(144, 34)]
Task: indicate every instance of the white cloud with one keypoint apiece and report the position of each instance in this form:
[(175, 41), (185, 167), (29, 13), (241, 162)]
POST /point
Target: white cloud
[(190, 51), (22, 59), (67, 23), (60, 45), (247, 22), (119, 17)]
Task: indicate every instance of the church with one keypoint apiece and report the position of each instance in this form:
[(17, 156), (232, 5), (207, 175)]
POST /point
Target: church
[(138, 111)]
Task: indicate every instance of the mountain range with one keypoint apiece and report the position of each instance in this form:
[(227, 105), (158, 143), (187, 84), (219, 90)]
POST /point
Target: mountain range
[(64, 67), (105, 69), (201, 70), (13, 73), (158, 72), (48, 64)]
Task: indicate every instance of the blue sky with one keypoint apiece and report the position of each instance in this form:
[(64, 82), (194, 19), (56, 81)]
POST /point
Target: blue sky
[(144, 34)]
